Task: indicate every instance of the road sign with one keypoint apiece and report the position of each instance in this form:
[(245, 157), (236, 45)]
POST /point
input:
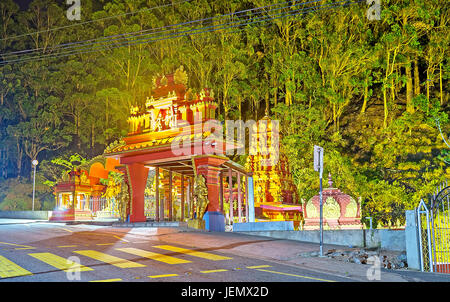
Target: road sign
[(318, 159)]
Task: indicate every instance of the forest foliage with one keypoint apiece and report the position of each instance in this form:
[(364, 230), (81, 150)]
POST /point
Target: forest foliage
[(368, 91)]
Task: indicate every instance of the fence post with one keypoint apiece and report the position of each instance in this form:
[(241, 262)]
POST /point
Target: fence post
[(412, 240)]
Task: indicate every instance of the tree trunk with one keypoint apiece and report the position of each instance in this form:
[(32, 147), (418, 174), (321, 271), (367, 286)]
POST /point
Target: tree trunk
[(409, 89), (19, 159), (428, 88), (366, 96), (416, 77), (92, 139), (440, 84), (385, 108)]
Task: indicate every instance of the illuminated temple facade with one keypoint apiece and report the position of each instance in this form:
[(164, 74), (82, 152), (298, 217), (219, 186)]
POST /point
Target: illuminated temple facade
[(275, 193), (174, 166), (172, 133)]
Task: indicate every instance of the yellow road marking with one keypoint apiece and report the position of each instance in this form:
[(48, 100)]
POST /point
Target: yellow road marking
[(107, 280), (120, 238), (113, 260), (153, 256), (259, 266), (22, 245), (300, 276), (108, 235), (24, 248), (163, 276), (192, 253), (67, 230), (67, 246), (104, 243), (214, 271), (60, 262), (10, 269)]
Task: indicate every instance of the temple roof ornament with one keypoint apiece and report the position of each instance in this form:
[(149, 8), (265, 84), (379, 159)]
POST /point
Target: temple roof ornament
[(180, 76), (163, 81), (202, 95), (134, 110), (330, 181), (170, 101)]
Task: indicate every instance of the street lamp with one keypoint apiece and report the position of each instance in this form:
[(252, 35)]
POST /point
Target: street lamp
[(34, 163)]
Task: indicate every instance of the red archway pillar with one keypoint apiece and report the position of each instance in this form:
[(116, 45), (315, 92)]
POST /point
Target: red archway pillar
[(208, 166), (137, 174)]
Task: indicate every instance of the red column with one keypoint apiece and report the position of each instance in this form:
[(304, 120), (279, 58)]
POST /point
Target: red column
[(170, 197), (208, 166), (137, 174), (157, 210)]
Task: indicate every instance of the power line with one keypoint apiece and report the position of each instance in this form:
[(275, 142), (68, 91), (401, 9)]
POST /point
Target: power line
[(121, 36), (187, 33), (49, 56), (145, 40), (98, 40), (94, 20)]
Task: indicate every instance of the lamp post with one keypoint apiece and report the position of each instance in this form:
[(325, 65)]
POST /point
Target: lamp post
[(34, 163)]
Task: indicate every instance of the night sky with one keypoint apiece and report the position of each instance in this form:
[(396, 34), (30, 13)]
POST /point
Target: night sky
[(23, 3)]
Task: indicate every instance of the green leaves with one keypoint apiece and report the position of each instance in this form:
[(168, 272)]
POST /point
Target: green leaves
[(332, 77)]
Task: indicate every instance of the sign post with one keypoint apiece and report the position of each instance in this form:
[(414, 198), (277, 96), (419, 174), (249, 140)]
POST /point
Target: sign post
[(34, 163), (318, 166)]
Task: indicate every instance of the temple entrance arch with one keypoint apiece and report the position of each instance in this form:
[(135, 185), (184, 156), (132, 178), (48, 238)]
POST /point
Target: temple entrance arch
[(172, 134)]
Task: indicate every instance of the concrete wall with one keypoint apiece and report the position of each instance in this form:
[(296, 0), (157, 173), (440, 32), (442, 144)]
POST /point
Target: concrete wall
[(40, 215), (393, 240), (263, 226), (412, 241)]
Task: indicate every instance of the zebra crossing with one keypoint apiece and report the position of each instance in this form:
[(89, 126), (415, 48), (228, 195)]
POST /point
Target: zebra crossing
[(157, 253)]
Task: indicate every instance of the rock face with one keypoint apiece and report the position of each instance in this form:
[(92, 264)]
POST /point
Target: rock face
[(389, 260)]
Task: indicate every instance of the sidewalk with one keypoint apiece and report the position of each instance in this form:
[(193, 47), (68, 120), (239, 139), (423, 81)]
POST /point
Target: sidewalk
[(293, 253)]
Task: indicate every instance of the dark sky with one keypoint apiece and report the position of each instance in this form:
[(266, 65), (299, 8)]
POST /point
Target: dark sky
[(23, 3)]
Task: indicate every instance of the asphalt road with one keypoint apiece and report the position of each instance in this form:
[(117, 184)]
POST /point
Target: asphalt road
[(58, 252)]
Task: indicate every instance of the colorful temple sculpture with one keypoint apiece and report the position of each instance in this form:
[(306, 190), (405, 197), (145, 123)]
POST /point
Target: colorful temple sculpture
[(275, 193), (340, 211), (79, 196), (174, 133)]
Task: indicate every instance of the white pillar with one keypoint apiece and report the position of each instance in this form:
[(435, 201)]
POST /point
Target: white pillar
[(251, 200)]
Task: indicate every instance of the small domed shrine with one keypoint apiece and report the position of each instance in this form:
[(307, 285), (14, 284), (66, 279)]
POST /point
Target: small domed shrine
[(275, 193), (340, 211)]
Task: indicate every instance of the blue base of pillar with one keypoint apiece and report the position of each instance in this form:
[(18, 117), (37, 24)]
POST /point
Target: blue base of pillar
[(214, 221)]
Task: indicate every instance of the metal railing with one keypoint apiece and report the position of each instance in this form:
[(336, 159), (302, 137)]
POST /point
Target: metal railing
[(102, 207), (434, 231)]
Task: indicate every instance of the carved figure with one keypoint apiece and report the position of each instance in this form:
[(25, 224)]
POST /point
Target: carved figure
[(123, 199), (180, 76), (201, 196)]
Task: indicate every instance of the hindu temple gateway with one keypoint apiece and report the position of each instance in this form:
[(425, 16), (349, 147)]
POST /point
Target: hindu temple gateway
[(171, 134)]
